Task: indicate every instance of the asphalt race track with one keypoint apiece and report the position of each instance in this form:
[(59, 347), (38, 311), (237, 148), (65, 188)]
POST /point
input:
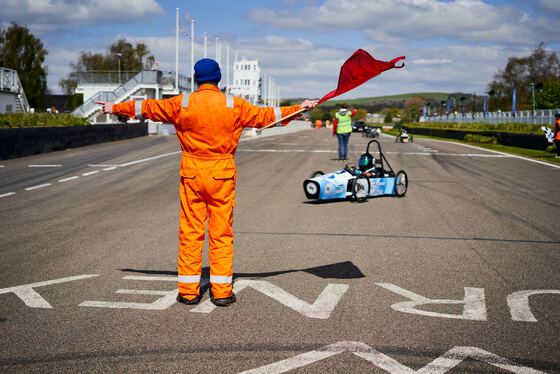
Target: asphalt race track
[(460, 275)]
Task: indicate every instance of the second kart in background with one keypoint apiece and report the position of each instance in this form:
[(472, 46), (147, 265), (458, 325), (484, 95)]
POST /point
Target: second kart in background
[(404, 136)]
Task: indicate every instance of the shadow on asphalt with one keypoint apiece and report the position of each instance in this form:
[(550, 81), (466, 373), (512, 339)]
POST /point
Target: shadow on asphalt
[(340, 270), (383, 236)]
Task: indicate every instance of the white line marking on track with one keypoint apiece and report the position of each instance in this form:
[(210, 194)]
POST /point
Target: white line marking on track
[(69, 178), (7, 194), (110, 168), (430, 153), (1, 166), (149, 158), (164, 302), (101, 166), (518, 303), (39, 186), (150, 278), (501, 153), (44, 166), (90, 173), (32, 298), (442, 364)]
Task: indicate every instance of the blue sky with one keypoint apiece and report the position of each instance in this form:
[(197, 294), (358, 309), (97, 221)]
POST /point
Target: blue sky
[(451, 45)]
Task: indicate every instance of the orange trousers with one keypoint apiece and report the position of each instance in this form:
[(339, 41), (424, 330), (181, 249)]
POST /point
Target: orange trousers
[(207, 195)]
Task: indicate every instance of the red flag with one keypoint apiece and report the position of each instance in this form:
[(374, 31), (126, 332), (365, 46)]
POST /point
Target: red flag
[(358, 69)]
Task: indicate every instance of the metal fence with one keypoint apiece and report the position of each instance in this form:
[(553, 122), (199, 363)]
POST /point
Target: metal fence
[(146, 77), (538, 117), (143, 77), (104, 76), (115, 77)]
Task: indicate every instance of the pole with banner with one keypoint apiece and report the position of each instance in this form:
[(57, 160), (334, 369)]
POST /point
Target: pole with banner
[(513, 100)]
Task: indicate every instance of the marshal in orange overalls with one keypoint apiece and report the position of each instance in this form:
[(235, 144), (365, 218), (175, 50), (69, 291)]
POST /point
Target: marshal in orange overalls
[(209, 124)]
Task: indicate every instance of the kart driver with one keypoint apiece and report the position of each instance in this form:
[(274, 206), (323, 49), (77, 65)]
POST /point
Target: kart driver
[(208, 124)]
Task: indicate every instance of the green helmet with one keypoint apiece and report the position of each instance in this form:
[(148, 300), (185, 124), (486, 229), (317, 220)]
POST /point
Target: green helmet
[(366, 161)]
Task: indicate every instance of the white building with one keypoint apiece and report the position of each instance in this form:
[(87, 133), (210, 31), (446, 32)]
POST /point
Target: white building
[(247, 80)]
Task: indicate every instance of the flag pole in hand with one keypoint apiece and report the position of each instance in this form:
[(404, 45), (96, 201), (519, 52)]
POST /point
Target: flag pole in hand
[(281, 119)]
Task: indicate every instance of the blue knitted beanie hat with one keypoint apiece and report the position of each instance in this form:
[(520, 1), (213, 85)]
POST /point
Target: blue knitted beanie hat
[(207, 70)]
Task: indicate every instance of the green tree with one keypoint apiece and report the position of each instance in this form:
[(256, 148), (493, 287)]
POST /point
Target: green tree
[(130, 57), (21, 51), (327, 117), (539, 66), (316, 113), (392, 116), (360, 115), (549, 97)]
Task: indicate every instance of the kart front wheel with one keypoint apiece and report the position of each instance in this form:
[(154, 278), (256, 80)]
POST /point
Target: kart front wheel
[(401, 183), (360, 188), (311, 189), (316, 174)]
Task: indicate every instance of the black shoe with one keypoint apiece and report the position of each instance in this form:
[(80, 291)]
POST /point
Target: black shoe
[(226, 301), (194, 301)]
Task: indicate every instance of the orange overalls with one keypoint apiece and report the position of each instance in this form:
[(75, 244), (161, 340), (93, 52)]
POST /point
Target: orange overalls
[(208, 124)]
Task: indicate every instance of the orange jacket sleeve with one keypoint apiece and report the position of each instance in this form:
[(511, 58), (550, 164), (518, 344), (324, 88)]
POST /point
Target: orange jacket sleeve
[(249, 115), (157, 110)]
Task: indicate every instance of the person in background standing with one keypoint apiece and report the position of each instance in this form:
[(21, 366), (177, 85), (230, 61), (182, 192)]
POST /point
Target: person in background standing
[(342, 128)]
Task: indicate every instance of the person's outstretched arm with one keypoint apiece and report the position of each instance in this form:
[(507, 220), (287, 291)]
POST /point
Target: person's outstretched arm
[(156, 110)]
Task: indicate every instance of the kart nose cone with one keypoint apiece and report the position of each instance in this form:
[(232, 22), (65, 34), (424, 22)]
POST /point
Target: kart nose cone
[(311, 189)]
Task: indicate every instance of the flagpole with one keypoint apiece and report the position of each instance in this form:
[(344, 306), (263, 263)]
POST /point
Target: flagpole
[(192, 55), (177, 51), (227, 70), (281, 119), (205, 42)]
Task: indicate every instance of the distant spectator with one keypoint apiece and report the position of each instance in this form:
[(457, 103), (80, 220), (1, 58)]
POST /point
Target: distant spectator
[(343, 128)]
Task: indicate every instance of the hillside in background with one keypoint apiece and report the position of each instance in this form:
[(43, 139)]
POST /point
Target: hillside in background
[(435, 96), (376, 104)]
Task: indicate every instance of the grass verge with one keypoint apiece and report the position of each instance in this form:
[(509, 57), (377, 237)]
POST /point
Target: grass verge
[(525, 152), (15, 120)]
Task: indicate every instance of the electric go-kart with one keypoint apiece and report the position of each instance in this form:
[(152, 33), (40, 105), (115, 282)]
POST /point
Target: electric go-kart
[(371, 132), (404, 136), (374, 177)]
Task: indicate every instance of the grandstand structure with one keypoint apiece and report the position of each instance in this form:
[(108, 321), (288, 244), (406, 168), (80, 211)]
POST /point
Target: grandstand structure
[(104, 86), (12, 94)]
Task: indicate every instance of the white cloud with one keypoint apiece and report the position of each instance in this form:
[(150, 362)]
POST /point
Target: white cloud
[(42, 16), (389, 21), (550, 5), (304, 69), (58, 63), (431, 61)]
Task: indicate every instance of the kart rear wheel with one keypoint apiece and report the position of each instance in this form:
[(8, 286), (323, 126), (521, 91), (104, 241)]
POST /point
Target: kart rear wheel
[(316, 174), (360, 188), (401, 183)]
